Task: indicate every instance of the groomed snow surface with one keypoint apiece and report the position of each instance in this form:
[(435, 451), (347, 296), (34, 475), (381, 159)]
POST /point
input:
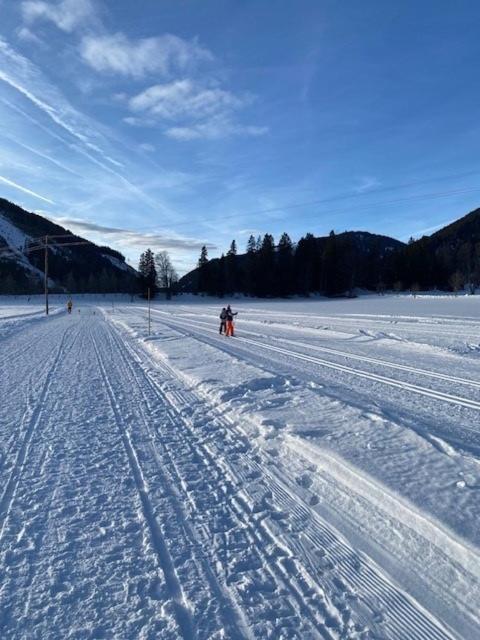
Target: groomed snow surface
[(315, 476)]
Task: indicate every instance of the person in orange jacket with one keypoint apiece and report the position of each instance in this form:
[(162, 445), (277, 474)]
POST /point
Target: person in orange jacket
[(230, 315)]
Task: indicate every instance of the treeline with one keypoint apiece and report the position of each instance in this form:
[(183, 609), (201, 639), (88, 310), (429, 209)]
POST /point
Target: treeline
[(341, 263), (15, 281), (334, 266)]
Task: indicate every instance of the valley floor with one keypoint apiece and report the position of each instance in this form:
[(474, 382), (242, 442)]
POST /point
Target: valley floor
[(316, 476)]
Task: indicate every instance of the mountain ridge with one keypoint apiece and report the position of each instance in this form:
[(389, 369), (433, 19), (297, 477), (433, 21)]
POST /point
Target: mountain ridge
[(340, 263), (84, 268)]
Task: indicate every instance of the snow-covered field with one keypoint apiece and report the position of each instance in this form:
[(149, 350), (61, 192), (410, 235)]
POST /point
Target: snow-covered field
[(316, 476)]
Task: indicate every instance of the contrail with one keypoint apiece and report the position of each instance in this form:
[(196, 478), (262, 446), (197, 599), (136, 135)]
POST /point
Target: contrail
[(25, 190)]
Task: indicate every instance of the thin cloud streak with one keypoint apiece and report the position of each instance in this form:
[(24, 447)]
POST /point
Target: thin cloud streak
[(15, 185), (33, 75), (40, 154), (131, 238)]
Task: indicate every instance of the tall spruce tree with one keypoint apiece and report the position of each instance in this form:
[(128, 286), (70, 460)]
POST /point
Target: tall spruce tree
[(203, 271), (250, 262), (148, 273), (230, 271), (284, 273), (330, 265), (306, 268), (266, 267)]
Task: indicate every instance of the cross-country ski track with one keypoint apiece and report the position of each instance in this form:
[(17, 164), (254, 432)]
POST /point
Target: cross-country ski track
[(137, 503)]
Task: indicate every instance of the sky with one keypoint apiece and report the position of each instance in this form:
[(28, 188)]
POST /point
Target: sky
[(171, 124)]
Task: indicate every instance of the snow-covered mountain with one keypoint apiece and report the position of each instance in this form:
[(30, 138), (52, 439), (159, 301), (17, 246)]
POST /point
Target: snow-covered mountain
[(78, 268)]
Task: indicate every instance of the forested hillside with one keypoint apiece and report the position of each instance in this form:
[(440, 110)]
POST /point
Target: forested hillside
[(340, 263), (83, 268)]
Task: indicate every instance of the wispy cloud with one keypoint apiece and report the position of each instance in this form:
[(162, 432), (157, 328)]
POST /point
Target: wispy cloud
[(184, 98), (27, 35), (367, 183), (15, 185), (165, 54), (200, 112), (131, 238), (67, 15), (147, 147), (214, 129), (20, 74)]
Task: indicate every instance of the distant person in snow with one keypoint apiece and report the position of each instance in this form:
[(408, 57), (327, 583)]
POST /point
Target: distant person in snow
[(69, 306), (230, 315), (223, 321)]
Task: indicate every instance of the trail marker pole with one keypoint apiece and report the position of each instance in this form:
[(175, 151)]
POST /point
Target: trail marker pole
[(46, 275), (149, 320)]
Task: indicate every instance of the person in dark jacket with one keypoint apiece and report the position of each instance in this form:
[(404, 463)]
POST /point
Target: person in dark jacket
[(223, 321), (230, 315)]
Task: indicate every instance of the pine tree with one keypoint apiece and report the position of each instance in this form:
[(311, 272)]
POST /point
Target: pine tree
[(148, 273), (330, 265), (251, 245), (230, 271), (306, 265), (202, 261), (250, 267), (203, 271), (265, 275), (284, 276)]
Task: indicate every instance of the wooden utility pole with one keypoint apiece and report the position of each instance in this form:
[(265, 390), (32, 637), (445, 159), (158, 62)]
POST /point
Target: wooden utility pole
[(46, 275), (149, 321)]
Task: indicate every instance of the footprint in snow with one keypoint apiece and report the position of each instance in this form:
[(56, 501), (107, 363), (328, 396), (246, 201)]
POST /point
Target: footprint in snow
[(304, 480)]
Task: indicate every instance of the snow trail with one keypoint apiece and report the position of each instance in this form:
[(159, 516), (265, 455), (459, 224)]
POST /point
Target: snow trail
[(283, 500), (415, 388), (133, 505)]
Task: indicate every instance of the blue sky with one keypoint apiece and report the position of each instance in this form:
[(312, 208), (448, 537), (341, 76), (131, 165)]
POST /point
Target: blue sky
[(169, 124)]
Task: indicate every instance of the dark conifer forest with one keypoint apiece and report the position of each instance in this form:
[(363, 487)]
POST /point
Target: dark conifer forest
[(340, 264)]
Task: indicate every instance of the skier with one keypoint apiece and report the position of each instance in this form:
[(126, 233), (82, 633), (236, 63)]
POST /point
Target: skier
[(223, 321), (69, 306), (230, 315)]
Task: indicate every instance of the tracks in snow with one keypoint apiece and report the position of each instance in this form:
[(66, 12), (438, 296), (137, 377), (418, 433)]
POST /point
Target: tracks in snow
[(29, 424), (245, 557), (182, 613), (386, 380), (321, 570)]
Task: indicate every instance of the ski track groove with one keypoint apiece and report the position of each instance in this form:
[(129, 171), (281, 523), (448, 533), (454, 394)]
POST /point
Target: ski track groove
[(8, 496), (407, 614), (227, 602), (245, 515), (33, 377), (424, 326), (361, 358), (182, 613), (405, 386)]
